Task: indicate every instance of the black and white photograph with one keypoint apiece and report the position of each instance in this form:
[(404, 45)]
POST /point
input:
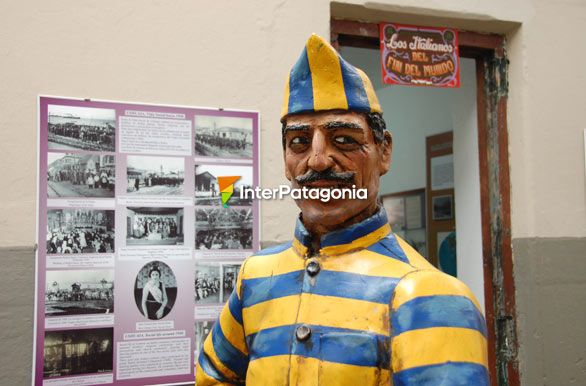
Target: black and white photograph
[(79, 292), (223, 228), (75, 352), (229, 278), (202, 330), (154, 226), (223, 137), (207, 191), (80, 175), (215, 281), (158, 176), (80, 231), (208, 282), (442, 207), (84, 128), (155, 290)]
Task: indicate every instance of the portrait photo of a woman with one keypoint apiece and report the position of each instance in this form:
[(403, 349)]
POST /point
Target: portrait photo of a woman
[(155, 290)]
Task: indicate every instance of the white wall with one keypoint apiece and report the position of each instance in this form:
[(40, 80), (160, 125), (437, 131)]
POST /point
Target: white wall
[(467, 186)]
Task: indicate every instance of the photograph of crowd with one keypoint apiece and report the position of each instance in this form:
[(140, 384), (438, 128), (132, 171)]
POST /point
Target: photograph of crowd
[(155, 175), (80, 231), (207, 282), (154, 226), (223, 228), (223, 137), (202, 330), (80, 175), (75, 352), (155, 290), (79, 292), (215, 281), (85, 128), (207, 191)]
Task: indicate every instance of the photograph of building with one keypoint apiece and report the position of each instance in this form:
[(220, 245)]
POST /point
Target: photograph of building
[(223, 137), (207, 191), (75, 292)]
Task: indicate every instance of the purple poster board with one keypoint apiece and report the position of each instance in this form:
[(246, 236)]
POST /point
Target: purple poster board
[(136, 255)]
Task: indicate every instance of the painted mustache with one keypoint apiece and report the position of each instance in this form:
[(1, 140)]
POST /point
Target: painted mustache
[(326, 175)]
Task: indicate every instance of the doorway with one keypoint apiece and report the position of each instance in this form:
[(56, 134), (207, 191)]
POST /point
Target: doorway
[(467, 129)]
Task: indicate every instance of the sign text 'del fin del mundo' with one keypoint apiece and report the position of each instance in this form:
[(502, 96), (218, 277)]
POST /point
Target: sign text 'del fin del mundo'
[(419, 56)]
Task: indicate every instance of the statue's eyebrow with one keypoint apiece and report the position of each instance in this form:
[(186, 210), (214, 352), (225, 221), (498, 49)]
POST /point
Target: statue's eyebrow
[(342, 125), (296, 127)]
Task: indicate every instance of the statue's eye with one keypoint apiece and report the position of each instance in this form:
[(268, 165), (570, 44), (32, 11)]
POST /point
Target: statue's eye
[(300, 140), (344, 140)]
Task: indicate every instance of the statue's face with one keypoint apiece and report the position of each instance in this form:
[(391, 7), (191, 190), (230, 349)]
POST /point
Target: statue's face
[(340, 142)]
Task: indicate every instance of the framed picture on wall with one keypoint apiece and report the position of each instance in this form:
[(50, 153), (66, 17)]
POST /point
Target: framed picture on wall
[(406, 213), (442, 207)]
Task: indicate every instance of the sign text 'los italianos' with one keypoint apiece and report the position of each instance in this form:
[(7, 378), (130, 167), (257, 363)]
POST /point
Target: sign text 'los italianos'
[(419, 56)]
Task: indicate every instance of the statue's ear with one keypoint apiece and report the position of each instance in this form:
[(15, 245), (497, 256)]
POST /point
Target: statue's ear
[(386, 148)]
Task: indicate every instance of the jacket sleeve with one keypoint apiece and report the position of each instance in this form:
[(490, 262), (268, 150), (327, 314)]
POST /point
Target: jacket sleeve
[(438, 332), (223, 359)]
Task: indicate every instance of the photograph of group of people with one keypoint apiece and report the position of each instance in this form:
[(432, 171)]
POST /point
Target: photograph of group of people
[(215, 281), (207, 191), (154, 226), (155, 290), (80, 231), (79, 292), (223, 228), (84, 128), (80, 175), (75, 352), (223, 137), (158, 176)]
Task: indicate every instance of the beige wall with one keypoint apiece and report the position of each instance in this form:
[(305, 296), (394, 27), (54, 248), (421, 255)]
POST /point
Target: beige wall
[(235, 54)]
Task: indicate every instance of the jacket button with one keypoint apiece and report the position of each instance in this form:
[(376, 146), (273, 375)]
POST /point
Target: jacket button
[(313, 268), (303, 333)]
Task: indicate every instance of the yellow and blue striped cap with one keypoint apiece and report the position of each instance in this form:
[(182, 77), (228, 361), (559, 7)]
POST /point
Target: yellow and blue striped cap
[(322, 80)]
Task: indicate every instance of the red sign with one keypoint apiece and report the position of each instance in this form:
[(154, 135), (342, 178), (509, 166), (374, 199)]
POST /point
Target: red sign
[(419, 56)]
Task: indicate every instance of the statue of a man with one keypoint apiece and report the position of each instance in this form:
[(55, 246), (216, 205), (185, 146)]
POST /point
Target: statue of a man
[(347, 302)]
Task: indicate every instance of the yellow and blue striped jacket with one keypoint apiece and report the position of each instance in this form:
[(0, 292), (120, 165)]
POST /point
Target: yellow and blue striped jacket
[(366, 310)]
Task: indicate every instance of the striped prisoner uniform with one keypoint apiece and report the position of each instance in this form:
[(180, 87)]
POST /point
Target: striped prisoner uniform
[(367, 309)]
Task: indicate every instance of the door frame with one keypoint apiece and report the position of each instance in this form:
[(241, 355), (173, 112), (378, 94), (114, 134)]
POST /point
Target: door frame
[(489, 53)]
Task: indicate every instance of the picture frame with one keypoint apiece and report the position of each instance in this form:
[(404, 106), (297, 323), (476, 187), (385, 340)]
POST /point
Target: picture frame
[(442, 207)]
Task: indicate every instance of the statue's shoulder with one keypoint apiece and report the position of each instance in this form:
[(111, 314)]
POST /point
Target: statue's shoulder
[(431, 286), (268, 261)]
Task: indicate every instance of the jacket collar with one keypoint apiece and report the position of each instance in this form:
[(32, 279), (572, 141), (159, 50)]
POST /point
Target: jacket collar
[(357, 236)]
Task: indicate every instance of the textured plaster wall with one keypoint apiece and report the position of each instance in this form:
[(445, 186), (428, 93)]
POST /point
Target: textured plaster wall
[(235, 54)]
